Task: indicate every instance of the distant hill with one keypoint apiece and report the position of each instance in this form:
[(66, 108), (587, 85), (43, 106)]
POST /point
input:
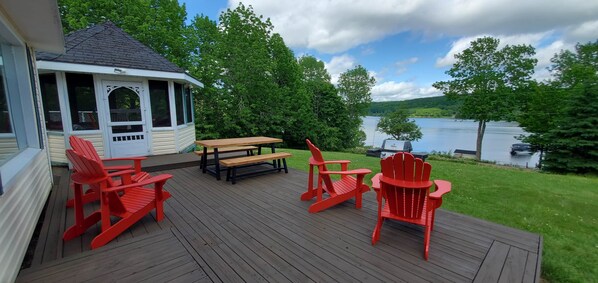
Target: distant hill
[(438, 106)]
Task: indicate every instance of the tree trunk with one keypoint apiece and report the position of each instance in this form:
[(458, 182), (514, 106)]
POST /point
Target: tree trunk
[(481, 130)]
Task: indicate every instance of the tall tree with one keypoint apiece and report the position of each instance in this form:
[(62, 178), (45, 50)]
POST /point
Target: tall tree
[(540, 114), (488, 81), (159, 24), (574, 139), (327, 106), (398, 125), (355, 87), (211, 109)]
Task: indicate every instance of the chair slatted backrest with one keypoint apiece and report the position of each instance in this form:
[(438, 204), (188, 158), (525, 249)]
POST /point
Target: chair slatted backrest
[(85, 165), (317, 156), (405, 202), (84, 147)]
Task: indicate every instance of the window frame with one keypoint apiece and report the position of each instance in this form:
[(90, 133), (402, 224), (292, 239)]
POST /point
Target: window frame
[(21, 102), (168, 99)]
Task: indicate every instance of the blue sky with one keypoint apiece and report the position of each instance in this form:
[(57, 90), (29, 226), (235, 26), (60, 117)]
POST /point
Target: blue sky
[(407, 45)]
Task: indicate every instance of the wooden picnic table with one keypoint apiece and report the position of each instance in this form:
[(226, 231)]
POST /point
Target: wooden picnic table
[(223, 143)]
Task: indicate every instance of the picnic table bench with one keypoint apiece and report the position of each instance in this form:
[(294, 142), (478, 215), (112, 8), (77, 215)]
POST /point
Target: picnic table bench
[(233, 163), (210, 151)]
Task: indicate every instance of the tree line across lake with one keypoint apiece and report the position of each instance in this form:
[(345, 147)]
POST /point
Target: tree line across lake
[(254, 84)]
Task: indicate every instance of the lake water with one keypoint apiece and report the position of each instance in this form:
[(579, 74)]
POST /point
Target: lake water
[(444, 135)]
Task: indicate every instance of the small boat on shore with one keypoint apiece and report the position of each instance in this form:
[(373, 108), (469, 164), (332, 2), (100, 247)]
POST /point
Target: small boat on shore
[(521, 148)]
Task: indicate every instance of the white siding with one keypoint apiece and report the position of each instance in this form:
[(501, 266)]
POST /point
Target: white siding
[(57, 148), (8, 147), (97, 140), (185, 137), (163, 142), (20, 209)]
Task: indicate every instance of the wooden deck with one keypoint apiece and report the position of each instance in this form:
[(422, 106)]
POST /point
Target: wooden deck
[(259, 230)]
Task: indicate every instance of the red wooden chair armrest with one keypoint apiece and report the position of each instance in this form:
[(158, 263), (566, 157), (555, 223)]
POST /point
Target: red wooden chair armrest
[(136, 161), (313, 162), (117, 167), (125, 158), (406, 184), (442, 187), (153, 180), (350, 172)]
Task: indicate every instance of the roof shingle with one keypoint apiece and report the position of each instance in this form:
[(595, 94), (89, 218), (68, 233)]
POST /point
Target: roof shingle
[(107, 45)]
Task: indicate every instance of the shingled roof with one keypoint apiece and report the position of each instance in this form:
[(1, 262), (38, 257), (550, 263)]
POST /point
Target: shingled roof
[(107, 45)]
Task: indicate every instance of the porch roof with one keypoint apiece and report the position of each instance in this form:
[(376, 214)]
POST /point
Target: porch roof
[(106, 45)]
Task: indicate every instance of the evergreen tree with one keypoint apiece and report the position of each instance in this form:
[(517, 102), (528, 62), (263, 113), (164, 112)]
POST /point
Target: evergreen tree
[(574, 139)]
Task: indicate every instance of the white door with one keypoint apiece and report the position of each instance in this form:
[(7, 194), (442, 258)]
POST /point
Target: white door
[(127, 132)]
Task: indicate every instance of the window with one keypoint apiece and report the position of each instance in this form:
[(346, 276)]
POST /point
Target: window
[(8, 140), (178, 100), (184, 106), (50, 101), (19, 122), (188, 105), (160, 104), (82, 101)]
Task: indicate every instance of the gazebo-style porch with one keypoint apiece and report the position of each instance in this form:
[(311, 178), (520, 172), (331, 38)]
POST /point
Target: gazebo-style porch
[(259, 230)]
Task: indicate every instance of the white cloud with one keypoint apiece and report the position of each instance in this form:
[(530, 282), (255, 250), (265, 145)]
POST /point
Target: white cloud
[(402, 66), (463, 43), (339, 65), (543, 53), (335, 25), (396, 91)]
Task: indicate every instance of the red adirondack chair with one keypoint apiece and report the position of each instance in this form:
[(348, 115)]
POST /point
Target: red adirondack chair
[(86, 148), (130, 206), (404, 186), (339, 191)]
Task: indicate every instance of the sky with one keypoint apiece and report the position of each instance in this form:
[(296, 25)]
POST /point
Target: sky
[(407, 45)]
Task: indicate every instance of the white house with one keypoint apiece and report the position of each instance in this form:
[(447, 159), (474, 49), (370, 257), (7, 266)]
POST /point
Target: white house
[(120, 94), (25, 172)]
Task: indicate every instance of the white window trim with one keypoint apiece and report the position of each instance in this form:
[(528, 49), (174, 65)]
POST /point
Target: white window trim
[(20, 97)]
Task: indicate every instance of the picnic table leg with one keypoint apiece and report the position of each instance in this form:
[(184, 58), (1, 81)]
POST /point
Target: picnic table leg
[(273, 151), (204, 159), (217, 163)]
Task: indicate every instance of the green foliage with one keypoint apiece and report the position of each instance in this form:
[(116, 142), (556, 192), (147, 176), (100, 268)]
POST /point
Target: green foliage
[(489, 82), (398, 125), (573, 140), (448, 108), (354, 86), (519, 198)]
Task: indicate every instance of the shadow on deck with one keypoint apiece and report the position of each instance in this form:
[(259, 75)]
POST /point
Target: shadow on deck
[(259, 230)]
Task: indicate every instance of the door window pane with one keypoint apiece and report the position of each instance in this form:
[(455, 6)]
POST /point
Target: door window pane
[(127, 129), (50, 102), (82, 101), (178, 100), (160, 103), (125, 105)]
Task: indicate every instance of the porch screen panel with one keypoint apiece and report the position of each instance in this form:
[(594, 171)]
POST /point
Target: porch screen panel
[(82, 100), (52, 112), (188, 105), (178, 100), (160, 104)]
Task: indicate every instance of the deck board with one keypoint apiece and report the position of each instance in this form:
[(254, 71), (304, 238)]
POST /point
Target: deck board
[(259, 230)]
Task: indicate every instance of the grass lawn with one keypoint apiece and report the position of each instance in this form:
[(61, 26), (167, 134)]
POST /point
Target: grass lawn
[(562, 208)]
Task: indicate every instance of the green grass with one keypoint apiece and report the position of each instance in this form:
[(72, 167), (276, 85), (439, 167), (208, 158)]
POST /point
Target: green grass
[(562, 208)]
